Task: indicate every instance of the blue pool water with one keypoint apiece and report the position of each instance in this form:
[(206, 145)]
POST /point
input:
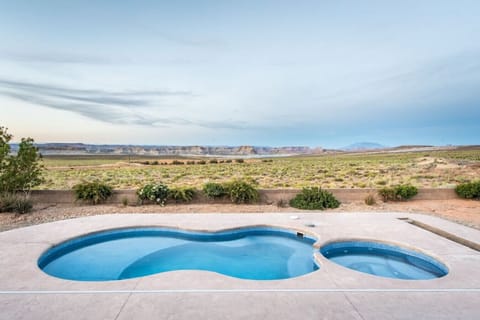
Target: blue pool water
[(248, 253), (384, 260)]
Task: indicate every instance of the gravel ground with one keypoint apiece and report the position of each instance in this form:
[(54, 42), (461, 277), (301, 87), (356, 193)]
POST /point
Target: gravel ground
[(466, 212)]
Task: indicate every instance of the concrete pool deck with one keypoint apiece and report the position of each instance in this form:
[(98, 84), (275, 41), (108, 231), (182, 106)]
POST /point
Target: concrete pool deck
[(333, 292)]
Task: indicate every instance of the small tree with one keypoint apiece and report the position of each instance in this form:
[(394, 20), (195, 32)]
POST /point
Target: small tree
[(4, 155), (20, 172), (25, 170)]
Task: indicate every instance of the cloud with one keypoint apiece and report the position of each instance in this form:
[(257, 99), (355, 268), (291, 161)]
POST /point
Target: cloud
[(115, 107), (54, 57), (181, 40), (129, 98), (413, 91)]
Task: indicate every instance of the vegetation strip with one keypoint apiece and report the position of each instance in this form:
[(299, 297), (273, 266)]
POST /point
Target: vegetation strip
[(467, 243), (167, 291)]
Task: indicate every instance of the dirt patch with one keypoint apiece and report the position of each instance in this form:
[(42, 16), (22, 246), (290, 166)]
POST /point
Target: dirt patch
[(438, 163), (466, 212)]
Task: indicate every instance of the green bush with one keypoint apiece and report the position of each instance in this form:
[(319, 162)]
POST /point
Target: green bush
[(398, 193), (214, 190), (157, 193), (241, 191), (93, 192), (181, 194), (314, 198), (406, 191), (469, 190)]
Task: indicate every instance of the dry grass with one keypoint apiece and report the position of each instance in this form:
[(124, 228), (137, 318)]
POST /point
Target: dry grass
[(433, 170)]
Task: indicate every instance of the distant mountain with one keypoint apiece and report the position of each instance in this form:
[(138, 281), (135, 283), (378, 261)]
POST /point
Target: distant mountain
[(362, 146), (226, 151)]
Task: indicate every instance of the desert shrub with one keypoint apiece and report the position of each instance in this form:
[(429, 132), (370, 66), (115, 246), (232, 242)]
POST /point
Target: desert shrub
[(469, 190), (157, 193), (228, 161), (177, 162), (399, 192), (239, 160), (93, 192), (181, 194), (282, 203), (23, 205), (387, 194), (214, 161), (201, 162), (15, 203), (241, 191), (214, 190), (190, 162), (7, 202), (370, 200), (314, 198), (125, 201)]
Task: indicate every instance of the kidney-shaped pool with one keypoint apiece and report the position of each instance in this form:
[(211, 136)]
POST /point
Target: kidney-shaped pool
[(259, 253)]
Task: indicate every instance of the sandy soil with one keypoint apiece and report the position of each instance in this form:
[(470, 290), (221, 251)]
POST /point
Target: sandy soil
[(466, 212)]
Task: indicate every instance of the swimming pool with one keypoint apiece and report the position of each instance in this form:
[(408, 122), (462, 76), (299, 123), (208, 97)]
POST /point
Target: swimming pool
[(257, 253), (384, 260)]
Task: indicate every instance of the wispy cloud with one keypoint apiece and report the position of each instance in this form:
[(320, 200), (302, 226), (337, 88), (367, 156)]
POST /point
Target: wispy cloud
[(131, 98), (411, 85), (115, 107), (54, 57), (190, 42), (182, 40)]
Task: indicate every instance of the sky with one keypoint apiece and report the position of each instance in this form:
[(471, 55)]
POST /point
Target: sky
[(251, 72)]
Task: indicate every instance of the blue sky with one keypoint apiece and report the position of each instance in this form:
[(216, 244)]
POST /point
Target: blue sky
[(317, 73)]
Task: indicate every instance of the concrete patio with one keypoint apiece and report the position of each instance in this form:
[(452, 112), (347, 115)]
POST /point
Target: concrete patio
[(333, 292)]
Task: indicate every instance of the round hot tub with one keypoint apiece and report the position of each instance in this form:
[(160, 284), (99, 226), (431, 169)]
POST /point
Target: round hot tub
[(384, 260)]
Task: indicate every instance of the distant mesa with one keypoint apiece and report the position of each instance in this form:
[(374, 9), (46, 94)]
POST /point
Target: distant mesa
[(363, 146), (245, 151), (163, 150)]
